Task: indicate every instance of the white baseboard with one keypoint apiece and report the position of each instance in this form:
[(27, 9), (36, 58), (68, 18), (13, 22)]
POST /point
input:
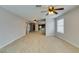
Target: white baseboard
[(72, 43), (9, 42)]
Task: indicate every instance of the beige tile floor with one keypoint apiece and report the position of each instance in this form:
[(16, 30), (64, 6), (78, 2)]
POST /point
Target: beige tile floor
[(37, 43)]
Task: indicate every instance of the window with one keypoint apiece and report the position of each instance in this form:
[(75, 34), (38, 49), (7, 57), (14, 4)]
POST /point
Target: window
[(60, 25)]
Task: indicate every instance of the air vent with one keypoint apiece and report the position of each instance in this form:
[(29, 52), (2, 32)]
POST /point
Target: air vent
[(38, 5)]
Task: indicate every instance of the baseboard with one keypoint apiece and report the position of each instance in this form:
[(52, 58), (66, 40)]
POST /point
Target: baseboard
[(10, 42), (71, 43)]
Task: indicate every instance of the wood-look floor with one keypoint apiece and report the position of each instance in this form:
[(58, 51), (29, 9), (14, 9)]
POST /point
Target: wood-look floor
[(37, 43)]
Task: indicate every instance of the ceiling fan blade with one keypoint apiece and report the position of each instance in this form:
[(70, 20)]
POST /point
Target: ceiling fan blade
[(59, 9), (35, 20), (55, 12)]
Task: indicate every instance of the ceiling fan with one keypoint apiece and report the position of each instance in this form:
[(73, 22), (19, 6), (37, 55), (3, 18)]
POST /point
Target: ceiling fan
[(35, 21), (51, 10)]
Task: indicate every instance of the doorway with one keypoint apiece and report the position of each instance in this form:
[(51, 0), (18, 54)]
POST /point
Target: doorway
[(32, 27)]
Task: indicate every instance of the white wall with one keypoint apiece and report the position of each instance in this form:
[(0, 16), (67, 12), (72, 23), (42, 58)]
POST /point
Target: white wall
[(71, 25), (36, 27), (50, 26), (27, 28), (12, 27)]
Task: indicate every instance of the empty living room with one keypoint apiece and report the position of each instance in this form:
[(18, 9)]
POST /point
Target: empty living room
[(39, 29)]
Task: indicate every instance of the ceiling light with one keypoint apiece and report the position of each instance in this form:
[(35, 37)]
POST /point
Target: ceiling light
[(50, 12), (35, 21)]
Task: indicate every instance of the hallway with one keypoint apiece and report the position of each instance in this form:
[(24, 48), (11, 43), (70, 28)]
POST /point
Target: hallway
[(36, 42)]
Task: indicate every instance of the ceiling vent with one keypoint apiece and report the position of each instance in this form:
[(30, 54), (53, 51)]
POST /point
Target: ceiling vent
[(38, 5)]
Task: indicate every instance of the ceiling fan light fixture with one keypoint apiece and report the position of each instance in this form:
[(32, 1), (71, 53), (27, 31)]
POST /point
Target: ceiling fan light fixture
[(50, 7), (50, 12), (35, 21)]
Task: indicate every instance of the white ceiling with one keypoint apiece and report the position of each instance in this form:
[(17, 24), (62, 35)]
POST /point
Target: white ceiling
[(32, 12)]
